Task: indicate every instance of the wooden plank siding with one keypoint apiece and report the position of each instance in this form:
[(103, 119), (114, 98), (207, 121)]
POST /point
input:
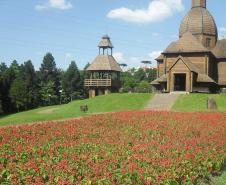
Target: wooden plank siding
[(179, 68), (199, 60), (161, 69), (222, 72)]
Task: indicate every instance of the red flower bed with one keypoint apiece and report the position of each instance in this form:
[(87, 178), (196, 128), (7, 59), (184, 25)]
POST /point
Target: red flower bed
[(121, 148)]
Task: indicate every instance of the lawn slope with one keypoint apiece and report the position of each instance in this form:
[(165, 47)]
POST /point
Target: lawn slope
[(100, 104), (198, 102), (221, 180)]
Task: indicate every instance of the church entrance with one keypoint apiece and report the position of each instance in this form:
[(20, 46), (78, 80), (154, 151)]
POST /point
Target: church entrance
[(180, 82)]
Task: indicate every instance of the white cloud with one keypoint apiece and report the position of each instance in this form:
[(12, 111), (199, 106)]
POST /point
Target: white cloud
[(119, 56), (68, 55), (57, 4), (154, 54), (136, 61), (222, 29), (222, 32), (158, 10), (40, 7)]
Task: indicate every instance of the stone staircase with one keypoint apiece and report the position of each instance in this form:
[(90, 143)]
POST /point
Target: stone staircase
[(162, 102)]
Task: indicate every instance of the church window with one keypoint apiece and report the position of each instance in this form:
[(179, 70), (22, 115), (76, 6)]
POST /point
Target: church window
[(208, 41)]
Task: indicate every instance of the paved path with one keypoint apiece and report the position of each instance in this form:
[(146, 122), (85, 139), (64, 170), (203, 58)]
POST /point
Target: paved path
[(162, 102)]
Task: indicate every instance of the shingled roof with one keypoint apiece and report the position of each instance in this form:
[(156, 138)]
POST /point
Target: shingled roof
[(199, 21), (105, 42), (220, 49), (187, 43), (204, 78), (159, 80), (104, 63), (160, 57)]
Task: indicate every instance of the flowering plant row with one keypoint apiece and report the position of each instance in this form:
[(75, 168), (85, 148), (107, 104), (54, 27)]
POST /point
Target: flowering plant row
[(135, 147)]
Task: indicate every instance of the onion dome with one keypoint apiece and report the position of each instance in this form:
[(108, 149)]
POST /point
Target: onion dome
[(199, 21), (201, 24)]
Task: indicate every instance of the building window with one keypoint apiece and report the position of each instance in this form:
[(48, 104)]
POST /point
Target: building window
[(208, 41)]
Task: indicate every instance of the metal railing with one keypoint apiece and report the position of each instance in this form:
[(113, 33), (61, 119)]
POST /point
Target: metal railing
[(98, 82)]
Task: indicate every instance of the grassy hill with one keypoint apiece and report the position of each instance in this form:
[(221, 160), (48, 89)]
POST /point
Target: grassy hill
[(100, 104), (198, 102), (221, 180)]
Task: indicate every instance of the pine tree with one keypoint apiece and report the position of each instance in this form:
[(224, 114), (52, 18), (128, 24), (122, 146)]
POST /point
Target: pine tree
[(48, 68), (31, 85), (3, 68), (8, 76), (47, 93), (72, 84), (18, 93), (49, 73)]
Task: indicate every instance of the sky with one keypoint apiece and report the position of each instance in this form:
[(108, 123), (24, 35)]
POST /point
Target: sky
[(71, 29)]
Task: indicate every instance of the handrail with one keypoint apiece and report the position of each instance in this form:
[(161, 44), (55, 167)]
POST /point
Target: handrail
[(98, 82)]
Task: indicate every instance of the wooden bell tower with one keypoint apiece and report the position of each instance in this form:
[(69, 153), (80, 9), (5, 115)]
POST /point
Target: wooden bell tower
[(104, 71)]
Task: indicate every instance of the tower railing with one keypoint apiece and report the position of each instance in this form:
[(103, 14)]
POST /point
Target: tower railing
[(98, 83)]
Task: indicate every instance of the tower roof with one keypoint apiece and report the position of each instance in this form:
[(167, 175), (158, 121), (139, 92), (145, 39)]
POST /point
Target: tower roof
[(105, 42), (187, 43), (104, 63), (220, 49), (199, 21)]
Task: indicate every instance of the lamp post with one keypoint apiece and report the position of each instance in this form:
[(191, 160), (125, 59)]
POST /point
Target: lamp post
[(49, 98), (60, 91)]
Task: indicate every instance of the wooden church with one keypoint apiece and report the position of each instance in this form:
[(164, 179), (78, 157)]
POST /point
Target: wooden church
[(197, 61), (104, 71)]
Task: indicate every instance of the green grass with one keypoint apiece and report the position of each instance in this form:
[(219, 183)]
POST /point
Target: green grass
[(221, 180), (100, 104), (198, 102)]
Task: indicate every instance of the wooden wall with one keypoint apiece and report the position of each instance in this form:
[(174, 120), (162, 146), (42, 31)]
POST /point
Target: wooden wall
[(222, 72), (161, 70), (199, 60), (180, 68)]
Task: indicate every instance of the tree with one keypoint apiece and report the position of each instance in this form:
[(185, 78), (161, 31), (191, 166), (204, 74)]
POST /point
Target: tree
[(18, 93), (140, 75), (48, 68), (47, 93), (71, 83), (144, 86), (84, 73), (151, 74), (3, 68), (128, 81), (1, 110), (49, 73), (8, 76), (31, 85), (123, 65), (146, 62)]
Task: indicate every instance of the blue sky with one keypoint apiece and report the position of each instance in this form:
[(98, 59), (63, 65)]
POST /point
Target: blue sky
[(71, 29)]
